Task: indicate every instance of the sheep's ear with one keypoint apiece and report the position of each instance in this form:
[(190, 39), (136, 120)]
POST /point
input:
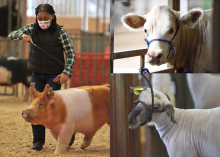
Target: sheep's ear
[(170, 111), (137, 116), (184, 18), (133, 22)]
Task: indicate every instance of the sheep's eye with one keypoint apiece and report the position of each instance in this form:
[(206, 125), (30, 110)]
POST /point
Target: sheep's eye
[(171, 31), (155, 108), (145, 31)]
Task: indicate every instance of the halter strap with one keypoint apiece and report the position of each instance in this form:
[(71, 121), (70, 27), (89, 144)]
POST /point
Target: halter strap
[(171, 45), (149, 109), (149, 112), (142, 71)]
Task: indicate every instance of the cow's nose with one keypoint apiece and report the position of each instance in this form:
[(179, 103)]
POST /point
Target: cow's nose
[(159, 56), (155, 55)]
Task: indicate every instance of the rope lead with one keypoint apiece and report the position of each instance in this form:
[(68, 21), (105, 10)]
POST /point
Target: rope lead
[(149, 109)]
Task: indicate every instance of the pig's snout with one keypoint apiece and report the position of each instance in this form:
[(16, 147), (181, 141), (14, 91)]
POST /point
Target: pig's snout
[(24, 114)]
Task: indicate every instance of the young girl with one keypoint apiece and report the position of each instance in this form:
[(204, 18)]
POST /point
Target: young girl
[(49, 36)]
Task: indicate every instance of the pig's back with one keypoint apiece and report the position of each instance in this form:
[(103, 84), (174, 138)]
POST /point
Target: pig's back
[(88, 107), (79, 109)]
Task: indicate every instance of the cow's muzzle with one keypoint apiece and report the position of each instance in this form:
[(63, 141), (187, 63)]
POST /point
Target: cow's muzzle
[(154, 58)]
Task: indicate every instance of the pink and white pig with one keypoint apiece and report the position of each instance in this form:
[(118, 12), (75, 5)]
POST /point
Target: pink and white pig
[(65, 112)]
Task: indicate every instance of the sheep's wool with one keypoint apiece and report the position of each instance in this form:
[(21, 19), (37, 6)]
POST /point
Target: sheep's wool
[(196, 133)]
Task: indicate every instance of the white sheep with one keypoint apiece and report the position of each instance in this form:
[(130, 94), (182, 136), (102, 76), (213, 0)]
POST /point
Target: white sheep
[(163, 82), (205, 89), (186, 133)]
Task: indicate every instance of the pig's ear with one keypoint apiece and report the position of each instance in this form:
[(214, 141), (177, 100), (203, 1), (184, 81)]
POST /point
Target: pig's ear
[(33, 91), (48, 94), (133, 22), (137, 116), (184, 18)]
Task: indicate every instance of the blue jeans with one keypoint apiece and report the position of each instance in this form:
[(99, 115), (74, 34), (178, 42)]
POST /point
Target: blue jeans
[(40, 82)]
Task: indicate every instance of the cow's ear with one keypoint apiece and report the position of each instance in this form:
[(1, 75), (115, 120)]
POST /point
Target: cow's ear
[(184, 18), (133, 22), (137, 116)]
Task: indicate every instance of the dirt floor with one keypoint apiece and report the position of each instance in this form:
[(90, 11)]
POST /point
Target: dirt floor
[(16, 135)]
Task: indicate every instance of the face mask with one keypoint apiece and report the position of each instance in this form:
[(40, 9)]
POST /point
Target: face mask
[(44, 24)]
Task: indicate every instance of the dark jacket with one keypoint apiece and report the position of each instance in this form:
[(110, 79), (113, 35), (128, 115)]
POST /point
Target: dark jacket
[(39, 61)]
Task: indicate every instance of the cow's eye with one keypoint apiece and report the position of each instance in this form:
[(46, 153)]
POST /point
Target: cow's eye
[(145, 31), (171, 31)]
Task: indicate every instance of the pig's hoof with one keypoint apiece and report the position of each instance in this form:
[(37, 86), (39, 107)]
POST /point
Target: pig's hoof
[(57, 152)]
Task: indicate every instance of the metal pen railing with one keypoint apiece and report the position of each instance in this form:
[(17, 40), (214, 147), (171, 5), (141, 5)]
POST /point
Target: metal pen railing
[(92, 63)]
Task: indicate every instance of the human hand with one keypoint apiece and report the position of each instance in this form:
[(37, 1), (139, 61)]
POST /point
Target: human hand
[(27, 38), (63, 78)]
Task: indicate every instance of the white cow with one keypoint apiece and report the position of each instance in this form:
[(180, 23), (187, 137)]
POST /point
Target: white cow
[(205, 90), (186, 133), (194, 45)]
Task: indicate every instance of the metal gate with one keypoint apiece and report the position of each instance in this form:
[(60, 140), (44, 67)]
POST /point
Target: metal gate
[(91, 58)]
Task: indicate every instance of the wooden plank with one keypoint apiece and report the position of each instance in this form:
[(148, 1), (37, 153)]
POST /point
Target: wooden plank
[(168, 70), (176, 5), (113, 119), (133, 138), (216, 41), (124, 142), (112, 53), (142, 60), (111, 42), (130, 53)]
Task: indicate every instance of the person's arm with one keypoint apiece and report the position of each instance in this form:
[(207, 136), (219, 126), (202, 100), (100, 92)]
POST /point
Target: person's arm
[(68, 49), (25, 31)]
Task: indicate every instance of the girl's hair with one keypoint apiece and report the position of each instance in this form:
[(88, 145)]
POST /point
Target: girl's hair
[(49, 9)]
